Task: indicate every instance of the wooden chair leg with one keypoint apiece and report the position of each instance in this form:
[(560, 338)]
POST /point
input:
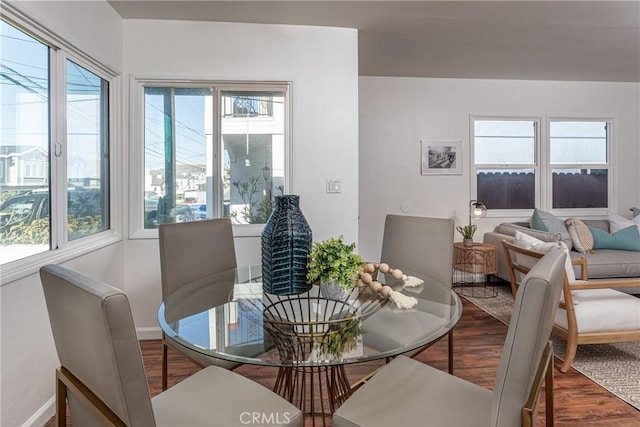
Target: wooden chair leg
[(548, 393), (544, 372), (61, 403), (67, 384), (164, 366)]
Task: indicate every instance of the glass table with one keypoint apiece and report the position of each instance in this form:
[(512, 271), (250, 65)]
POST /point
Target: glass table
[(308, 337)]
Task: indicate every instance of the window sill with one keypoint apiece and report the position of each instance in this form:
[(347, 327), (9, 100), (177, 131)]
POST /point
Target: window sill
[(19, 269), (248, 230)]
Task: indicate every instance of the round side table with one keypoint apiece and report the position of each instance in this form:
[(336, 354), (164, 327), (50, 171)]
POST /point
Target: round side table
[(468, 263)]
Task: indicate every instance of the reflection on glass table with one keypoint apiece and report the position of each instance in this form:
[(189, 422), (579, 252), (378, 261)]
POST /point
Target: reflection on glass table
[(307, 336)]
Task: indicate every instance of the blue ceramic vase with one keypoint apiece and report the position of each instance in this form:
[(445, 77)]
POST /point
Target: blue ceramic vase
[(286, 243)]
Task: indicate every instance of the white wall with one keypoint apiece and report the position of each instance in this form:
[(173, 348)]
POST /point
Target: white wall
[(396, 113), (27, 355), (93, 26), (322, 65)]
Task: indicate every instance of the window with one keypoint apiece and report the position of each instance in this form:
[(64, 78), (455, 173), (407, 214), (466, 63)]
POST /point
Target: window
[(43, 205), (505, 163), (87, 152), (213, 150), (579, 164), (573, 174)]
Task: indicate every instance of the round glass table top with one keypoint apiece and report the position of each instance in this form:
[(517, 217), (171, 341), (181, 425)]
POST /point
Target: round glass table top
[(228, 316)]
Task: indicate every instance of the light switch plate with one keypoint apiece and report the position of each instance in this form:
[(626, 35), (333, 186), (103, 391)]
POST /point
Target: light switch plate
[(334, 185)]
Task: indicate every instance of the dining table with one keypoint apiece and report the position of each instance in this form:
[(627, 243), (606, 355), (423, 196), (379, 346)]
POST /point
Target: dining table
[(308, 337)]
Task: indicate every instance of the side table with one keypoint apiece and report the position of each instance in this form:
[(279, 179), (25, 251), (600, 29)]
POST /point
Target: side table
[(469, 261)]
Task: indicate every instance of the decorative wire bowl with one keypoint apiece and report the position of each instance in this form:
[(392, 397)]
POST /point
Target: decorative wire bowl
[(311, 328)]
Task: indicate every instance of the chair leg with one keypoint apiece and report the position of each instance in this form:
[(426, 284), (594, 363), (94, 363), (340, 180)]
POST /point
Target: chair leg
[(61, 403), (548, 393), (451, 352), (164, 366), (570, 354)]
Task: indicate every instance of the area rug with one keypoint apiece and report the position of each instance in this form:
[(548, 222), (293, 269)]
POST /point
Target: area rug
[(616, 367)]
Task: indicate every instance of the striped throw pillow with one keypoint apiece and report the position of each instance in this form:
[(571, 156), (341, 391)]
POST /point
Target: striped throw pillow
[(581, 236)]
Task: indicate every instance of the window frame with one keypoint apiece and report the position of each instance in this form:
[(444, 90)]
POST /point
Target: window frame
[(61, 249), (548, 168), (137, 137), (536, 165), (543, 180)]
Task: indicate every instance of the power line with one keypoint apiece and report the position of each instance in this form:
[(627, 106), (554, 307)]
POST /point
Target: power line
[(6, 76)]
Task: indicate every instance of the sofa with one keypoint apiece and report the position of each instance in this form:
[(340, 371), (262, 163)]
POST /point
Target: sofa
[(601, 263)]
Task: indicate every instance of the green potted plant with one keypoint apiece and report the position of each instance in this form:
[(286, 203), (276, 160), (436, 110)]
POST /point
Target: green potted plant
[(467, 232), (335, 265)]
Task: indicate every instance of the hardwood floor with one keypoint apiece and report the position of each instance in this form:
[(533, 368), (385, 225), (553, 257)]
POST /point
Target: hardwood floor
[(478, 344)]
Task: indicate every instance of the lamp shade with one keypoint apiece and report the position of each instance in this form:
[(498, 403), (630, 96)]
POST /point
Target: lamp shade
[(476, 210)]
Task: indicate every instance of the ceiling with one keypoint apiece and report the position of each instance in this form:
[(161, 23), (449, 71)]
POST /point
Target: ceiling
[(538, 40)]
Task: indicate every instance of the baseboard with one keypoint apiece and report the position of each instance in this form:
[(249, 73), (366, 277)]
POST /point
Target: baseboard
[(153, 333), (42, 415)]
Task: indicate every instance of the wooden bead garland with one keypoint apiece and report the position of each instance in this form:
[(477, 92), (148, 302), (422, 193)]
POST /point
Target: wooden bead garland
[(402, 301)]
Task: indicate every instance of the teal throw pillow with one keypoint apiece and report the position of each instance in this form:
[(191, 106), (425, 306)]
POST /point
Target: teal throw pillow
[(545, 221), (627, 239)]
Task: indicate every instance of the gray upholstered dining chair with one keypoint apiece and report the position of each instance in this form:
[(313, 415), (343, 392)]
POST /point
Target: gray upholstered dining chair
[(421, 245), (102, 374), (190, 251), (417, 394)]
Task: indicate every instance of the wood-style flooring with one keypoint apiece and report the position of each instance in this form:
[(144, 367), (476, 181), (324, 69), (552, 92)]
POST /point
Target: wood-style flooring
[(478, 344)]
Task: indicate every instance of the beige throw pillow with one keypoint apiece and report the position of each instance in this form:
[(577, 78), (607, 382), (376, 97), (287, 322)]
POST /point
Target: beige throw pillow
[(581, 236)]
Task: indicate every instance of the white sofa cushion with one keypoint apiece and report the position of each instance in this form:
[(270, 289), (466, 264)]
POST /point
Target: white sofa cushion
[(603, 310)]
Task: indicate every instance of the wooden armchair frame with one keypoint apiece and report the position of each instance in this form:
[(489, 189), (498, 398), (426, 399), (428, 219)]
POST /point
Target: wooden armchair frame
[(571, 334)]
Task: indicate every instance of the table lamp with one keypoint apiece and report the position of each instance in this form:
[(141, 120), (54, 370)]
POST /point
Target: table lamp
[(476, 210)]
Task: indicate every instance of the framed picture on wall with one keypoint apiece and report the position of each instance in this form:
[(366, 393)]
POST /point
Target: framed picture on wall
[(441, 157)]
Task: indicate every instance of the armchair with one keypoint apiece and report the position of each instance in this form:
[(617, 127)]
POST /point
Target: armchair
[(591, 311)]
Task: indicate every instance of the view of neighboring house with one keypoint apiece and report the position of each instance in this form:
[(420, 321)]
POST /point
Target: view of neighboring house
[(23, 167)]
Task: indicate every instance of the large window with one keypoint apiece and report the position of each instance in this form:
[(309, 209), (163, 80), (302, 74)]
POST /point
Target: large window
[(213, 150), (54, 146), (506, 163), (579, 163), (517, 167)]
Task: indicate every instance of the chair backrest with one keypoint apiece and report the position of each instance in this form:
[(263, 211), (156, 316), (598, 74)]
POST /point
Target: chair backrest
[(529, 330), (96, 342), (419, 244), (519, 262), (193, 250)]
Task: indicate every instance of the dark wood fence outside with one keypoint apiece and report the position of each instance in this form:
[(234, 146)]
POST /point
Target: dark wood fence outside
[(516, 190)]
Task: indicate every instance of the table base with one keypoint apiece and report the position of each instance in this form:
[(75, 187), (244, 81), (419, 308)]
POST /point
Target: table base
[(317, 390)]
